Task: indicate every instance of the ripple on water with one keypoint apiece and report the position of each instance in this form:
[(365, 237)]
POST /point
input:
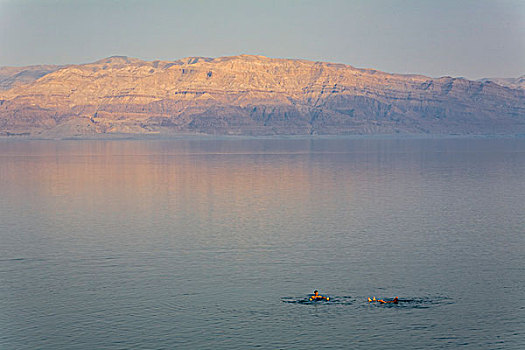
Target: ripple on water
[(410, 302), (414, 302), (334, 300)]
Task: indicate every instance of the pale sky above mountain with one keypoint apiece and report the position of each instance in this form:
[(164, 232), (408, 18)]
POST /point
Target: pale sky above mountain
[(471, 38)]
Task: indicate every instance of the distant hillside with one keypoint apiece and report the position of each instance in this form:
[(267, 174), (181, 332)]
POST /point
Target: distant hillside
[(16, 76), (513, 83), (248, 95)]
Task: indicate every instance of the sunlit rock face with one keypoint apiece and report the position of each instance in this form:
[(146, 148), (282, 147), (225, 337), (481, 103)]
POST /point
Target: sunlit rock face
[(248, 95)]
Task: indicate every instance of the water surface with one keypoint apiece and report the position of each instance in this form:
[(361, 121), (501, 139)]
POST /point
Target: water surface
[(215, 244)]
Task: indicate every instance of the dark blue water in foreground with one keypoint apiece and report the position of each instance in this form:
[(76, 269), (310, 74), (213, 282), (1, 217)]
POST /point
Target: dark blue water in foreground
[(216, 244)]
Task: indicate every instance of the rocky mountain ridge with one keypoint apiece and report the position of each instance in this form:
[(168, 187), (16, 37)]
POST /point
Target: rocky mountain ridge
[(248, 95)]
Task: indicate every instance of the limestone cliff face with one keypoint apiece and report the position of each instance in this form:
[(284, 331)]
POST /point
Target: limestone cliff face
[(250, 95)]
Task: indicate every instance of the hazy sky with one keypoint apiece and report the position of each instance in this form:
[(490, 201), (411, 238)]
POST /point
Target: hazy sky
[(478, 38)]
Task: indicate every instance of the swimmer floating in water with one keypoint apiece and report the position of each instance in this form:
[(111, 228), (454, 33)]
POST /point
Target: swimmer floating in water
[(316, 296), (394, 301)]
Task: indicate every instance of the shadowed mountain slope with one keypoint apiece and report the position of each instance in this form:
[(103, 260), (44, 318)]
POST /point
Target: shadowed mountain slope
[(16, 76)]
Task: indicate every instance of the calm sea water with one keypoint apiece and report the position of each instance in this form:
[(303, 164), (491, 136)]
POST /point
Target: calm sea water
[(215, 244)]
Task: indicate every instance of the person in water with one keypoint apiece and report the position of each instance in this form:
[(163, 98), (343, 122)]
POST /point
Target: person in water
[(394, 301), (316, 296)]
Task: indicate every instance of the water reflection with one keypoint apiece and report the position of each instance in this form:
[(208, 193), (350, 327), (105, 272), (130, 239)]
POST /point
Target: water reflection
[(136, 176)]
